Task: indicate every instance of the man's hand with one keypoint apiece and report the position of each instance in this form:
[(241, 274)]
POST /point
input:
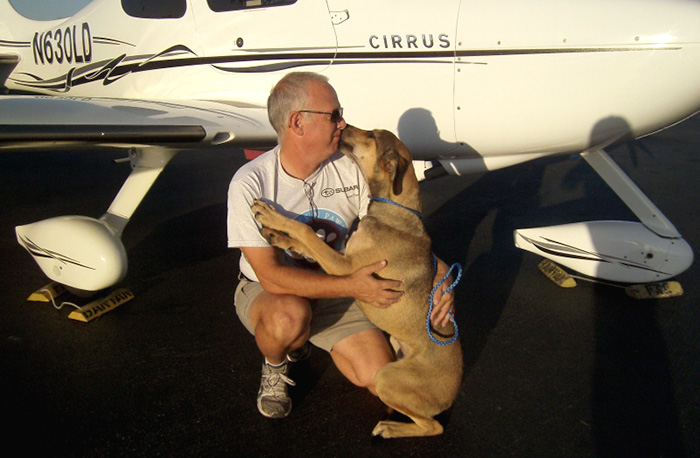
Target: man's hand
[(372, 290), (442, 302)]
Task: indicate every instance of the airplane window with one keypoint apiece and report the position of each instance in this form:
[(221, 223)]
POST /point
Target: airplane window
[(230, 5), (148, 9)]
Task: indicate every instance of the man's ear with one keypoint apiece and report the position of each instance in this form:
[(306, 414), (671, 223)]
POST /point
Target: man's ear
[(296, 123)]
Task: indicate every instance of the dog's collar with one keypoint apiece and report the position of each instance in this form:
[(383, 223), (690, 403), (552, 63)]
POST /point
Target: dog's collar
[(389, 201)]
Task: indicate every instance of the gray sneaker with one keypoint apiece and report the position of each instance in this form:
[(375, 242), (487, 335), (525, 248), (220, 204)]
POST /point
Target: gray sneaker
[(273, 399)]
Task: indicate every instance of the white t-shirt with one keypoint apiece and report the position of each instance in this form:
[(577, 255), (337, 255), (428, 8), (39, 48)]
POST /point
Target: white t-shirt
[(330, 201)]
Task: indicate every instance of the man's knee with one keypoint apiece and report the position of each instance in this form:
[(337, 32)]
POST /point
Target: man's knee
[(360, 356), (365, 377), (285, 315)]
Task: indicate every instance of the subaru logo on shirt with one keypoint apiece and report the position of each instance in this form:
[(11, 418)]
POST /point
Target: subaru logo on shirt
[(328, 192)]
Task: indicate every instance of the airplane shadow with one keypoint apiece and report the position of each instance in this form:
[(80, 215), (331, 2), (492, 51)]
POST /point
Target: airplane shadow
[(632, 406), (180, 242), (505, 197), (634, 410), (191, 239), (502, 198)]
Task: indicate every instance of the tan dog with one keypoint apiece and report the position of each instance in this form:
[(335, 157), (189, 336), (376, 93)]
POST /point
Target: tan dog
[(425, 381)]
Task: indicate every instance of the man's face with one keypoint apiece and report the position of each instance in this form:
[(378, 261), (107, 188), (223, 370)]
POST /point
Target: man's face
[(322, 135)]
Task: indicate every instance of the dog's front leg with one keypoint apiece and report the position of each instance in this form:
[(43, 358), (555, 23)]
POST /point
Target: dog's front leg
[(283, 241), (266, 215), (288, 234)]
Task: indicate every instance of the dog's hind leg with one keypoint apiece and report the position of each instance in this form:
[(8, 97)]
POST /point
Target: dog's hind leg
[(401, 391)]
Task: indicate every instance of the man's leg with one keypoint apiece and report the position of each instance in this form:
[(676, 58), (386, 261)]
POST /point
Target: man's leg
[(280, 324), (360, 356)]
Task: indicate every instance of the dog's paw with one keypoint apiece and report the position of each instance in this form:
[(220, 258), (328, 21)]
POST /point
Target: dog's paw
[(268, 216), (283, 241), (390, 429), (277, 239), (386, 428), (263, 212)]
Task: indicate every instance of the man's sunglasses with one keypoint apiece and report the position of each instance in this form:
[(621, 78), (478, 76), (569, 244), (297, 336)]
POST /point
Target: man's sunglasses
[(336, 115)]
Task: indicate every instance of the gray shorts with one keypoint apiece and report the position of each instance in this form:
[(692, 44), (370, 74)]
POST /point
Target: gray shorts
[(332, 319)]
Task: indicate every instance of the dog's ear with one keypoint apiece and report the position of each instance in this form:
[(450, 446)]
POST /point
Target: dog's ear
[(395, 165), (399, 172), (391, 160)]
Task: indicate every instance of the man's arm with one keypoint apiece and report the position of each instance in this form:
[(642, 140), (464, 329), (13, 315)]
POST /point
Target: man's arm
[(362, 285)]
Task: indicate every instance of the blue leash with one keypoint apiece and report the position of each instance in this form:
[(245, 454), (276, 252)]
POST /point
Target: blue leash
[(430, 302), (389, 201)]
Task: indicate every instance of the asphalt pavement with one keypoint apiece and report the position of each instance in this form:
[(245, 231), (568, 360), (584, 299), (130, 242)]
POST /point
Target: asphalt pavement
[(549, 372)]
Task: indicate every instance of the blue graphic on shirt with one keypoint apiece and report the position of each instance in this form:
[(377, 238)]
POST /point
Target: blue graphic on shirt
[(329, 227)]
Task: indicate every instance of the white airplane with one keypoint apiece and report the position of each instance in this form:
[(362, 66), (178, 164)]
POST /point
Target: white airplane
[(469, 86)]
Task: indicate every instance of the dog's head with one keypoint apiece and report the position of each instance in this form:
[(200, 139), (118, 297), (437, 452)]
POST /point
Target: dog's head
[(381, 156)]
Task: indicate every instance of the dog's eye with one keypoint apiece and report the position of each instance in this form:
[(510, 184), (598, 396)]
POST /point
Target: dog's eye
[(370, 134)]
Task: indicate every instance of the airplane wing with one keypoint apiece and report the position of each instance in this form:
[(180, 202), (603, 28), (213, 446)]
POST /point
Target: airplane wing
[(154, 131), (41, 121)]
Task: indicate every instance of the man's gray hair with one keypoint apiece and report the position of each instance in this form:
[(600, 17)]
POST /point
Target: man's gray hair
[(290, 94)]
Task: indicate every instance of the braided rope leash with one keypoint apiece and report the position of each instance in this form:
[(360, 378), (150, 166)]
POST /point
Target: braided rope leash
[(430, 302)]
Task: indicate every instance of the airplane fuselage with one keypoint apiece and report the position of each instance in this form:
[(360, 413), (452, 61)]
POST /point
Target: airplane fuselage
[(477, 79)]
